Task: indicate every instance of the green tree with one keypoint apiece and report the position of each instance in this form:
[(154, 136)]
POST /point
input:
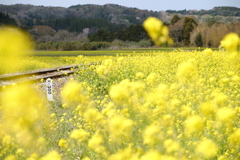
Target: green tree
[(6, 20), (198, 40), (134, 33), (101, 35), (211, 22), (188, 26), (175, 19)]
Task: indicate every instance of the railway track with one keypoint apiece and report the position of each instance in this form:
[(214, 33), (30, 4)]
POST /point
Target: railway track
[(34, 76)]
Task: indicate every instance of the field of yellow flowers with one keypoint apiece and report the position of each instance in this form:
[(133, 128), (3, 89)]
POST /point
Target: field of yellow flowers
[(168, 105)]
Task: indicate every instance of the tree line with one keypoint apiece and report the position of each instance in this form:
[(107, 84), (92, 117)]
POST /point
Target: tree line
[(91, 34), (73, 24), (132, 33), (210, 36), (216, 11), (96, 45), (6, 20), (186, 32)]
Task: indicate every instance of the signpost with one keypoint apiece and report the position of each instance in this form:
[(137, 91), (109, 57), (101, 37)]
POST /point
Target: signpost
[(49, 89)]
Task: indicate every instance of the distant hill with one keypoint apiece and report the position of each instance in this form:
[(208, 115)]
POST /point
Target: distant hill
[(54, 27), (6, 20), (109, 17), (110, 12), (216, 11)]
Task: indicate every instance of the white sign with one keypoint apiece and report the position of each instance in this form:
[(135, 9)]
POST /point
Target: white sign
[(49, 89)]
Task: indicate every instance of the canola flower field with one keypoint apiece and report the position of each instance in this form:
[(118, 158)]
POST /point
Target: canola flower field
[(165, 105)]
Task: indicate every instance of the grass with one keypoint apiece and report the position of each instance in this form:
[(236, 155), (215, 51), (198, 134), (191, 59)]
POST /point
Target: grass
[(124, 52), (50, 59), (96, 52)]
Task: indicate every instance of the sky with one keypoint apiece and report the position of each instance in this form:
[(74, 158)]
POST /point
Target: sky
[(154, 5)]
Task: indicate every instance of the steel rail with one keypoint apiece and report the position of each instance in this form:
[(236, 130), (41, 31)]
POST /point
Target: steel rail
[(32, 73), (40, 74)]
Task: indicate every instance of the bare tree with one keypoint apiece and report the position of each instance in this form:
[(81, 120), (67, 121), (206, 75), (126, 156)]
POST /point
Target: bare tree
[(212, 35), (176, 31)]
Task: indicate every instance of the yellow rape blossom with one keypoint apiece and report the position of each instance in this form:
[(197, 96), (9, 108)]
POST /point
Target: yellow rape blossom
[(20, 151), (219, 98), (187, 70), (120, 127), (234, 138), (14, 44), (52, 155), (159, 95), (62, 143), (10, 157), (151, 135), (151, 78), (193, 124), (208, 51), (157, 31), (231, 42), (127, 153), (208, 108), (7, 140), (92, 115), (79, 134), (95, 141), (33, 156), (171, 145), (104, 68), (225, 114), (139, 75), (125, 89), (222, 158), (152, 154), (22, 105), (86, 158), (120, 91), (207, 148), (73, 94)]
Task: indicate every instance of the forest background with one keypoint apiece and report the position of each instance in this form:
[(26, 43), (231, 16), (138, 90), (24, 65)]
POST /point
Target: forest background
[(111, 26)]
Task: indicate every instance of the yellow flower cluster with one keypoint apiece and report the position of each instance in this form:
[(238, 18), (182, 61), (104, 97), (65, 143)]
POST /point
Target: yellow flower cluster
[(231, 42), (80, 135), (151, 134), (207, 148), (24, 116), (105, 68), (53, 155), (73, 93), (156, 107), (193, 124), (14, 44), (120, 127), (187, 70), (125, 89), (157, 31)]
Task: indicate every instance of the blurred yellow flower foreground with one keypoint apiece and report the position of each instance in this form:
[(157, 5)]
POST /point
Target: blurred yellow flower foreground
[(24, 116), (157, 31), (14, 44)]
